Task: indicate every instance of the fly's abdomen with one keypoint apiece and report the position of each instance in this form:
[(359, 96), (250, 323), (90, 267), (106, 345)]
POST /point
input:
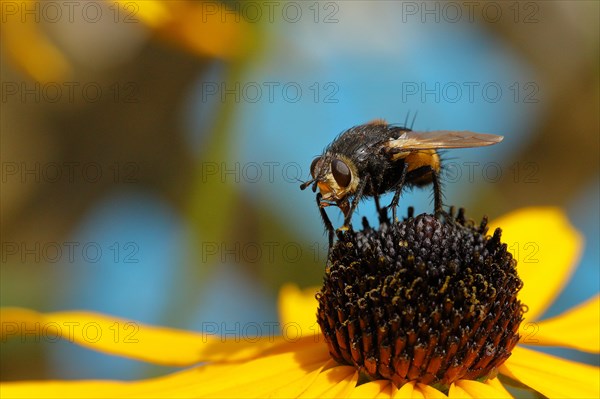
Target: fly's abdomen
[(421, 164)]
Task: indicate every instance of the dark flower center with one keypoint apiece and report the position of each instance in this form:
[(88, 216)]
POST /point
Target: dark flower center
[(426, 299)]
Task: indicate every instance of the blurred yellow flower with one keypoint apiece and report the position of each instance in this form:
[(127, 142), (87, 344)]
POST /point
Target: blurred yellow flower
[(205, 28), (27, 45), (298, 364)]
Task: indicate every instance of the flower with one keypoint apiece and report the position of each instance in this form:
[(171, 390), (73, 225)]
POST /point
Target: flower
[(432, 300), (293, 365), (205, 28)]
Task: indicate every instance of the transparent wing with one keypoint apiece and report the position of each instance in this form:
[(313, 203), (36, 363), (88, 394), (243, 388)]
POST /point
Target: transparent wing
[(442, 139)]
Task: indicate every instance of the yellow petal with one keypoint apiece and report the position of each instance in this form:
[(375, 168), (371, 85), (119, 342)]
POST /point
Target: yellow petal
[(262, 376), (14, 320), (577, 328), (387, 392), (372, 389), (192, 383), (65, 389), (457, 392), (181, 385), (409, 391), (333, 383), (475, 389), (136, 340), (553, 377), (546, 247), (292, 388), (298, 311), (496, 384), (430, 392)]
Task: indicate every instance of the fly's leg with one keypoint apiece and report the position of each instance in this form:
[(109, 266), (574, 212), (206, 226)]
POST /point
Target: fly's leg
[(326, 221), (437, 195), (357, 197), (377, 206), (396, 199), (381, 212)]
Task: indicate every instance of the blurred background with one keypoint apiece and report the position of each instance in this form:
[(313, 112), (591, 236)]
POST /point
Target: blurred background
[(152, 150)]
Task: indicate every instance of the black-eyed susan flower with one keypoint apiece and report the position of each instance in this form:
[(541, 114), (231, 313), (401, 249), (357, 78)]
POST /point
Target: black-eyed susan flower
[(461, 346), (426, 300)]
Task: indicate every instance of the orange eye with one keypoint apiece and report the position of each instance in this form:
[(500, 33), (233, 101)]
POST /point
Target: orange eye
[(313, 167), (341, 173)]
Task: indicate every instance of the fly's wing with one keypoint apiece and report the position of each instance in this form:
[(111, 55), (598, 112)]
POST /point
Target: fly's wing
[(440, 139)]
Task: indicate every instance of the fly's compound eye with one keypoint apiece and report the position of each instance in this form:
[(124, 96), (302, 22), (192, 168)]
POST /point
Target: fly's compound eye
[(341, 173), (313, 167)]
